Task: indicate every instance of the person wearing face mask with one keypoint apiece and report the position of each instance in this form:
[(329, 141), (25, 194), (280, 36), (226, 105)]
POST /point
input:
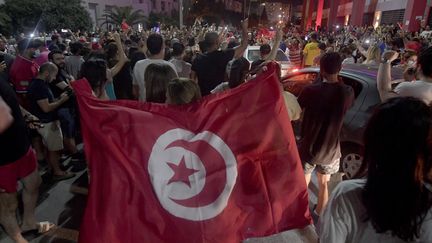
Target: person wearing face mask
[(421, 88), (41, 54), (409, 60), (44, 106)]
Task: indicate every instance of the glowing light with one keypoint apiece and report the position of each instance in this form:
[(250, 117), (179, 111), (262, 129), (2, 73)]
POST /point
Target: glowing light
[(337, 26), (32, 35)]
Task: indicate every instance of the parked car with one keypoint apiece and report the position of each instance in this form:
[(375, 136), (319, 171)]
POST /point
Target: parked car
[(252, 54), (362, 78)]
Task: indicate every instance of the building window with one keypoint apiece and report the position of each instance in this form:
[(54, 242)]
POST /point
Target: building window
[(163, 7), (392, 17), (108, 8)]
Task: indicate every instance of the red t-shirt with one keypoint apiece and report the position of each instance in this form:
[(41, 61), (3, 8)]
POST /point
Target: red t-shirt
[(22, 72), (413, 45)]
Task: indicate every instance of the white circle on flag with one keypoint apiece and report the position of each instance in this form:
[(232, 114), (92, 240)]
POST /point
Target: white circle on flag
[(160, 171)]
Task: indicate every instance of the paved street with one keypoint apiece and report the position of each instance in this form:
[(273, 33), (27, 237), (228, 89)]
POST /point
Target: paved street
[(62, 203)]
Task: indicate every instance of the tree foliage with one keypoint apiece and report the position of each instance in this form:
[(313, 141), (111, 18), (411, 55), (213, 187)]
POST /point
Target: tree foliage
[(116, 16), (46, 15), (155, 18)]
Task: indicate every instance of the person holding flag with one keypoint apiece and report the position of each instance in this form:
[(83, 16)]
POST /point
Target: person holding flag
[(195, 176)]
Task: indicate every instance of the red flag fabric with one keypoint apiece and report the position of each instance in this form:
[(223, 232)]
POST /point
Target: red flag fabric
[(124, 26), (223, 169)]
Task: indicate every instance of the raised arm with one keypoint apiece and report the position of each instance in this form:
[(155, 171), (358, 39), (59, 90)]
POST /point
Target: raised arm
[(361, 49), (122, 56), (244, 42), (6, 117), (275, 47), (384, 76)]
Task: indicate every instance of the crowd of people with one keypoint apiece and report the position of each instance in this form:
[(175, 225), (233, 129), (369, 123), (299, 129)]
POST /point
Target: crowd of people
[(393, 203)]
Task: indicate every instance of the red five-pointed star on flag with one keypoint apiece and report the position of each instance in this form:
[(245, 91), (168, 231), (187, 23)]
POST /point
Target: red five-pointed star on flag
[(181, 172)]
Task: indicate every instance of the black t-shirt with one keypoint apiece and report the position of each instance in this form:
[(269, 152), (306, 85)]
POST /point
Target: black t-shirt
[(122, 81), (62, 76), (136, 57), (210, 69), (14, 142), (40, 90), (8, 59), (324, 105), (256, 64)]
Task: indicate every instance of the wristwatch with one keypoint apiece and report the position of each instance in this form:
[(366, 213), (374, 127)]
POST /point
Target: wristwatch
[(385, 61)]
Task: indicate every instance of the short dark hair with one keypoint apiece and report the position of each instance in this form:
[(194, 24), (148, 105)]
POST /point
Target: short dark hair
[(155, 43), (37, 43), (53, 52), (232, 44), (178, 49), (25, 44), (265, 49), (425, 62), (76, 47), (314, 36), (322, 46), (203, 46), (237, 72), (191, 41), (111, 50), (331, 63), (62, 47), (211, 38)]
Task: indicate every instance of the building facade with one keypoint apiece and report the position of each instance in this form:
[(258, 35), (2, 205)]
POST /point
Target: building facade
[(278, 12), (331, 13), (97, 8)]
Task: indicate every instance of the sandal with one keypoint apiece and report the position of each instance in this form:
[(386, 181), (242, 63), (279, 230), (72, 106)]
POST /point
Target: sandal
[(42, 228), (65, 176)]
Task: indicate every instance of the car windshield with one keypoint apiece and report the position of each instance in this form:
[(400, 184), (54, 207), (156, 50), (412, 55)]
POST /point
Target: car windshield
[(254, 55)]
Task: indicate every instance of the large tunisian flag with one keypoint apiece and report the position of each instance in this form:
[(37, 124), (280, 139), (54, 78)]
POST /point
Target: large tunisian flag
[(220, 170)]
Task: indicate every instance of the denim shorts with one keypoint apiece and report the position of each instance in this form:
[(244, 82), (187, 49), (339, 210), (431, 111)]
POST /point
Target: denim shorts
[(67, 122), (322, 169)]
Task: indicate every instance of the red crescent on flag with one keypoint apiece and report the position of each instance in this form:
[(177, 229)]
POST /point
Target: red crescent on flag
[(215, 173)]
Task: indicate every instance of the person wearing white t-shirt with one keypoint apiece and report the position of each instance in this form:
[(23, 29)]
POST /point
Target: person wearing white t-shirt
[(421, 89), (394, 203), (156, 51)]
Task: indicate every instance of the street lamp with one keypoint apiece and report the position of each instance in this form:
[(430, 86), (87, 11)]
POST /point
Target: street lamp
[(181, 13)]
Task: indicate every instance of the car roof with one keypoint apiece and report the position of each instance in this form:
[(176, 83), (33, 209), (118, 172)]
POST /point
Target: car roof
[(257, 48), (369, 72), (253, 47)]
